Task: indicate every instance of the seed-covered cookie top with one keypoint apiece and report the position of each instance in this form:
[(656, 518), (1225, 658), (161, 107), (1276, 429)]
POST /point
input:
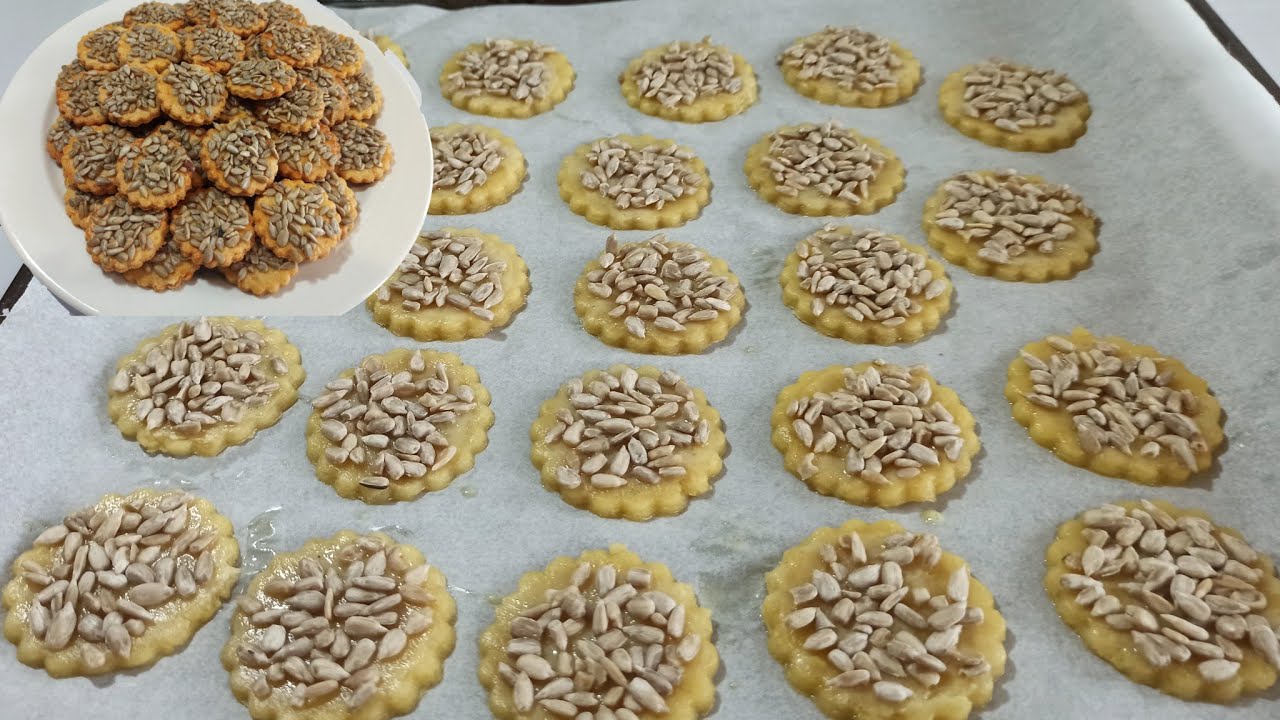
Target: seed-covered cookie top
[(295, 44), (514, 69), (156, 13), (363, 95), (280, 11), (310, 154), (688, 71), (150, 45), (334, 92), (338, 53), (260, 261), (1014, 97), (640, 177), (214, 47), (198, 91), (91, 155), (128, 92), (243, 152), (79, 98), (212, 222), (297, 110), (241, 17), (154, 166), (122, 232), (100, 49), (363, 146), (464, 159), (297, 220), (261, 78), (447, 269), (825, 158), (850, 57)]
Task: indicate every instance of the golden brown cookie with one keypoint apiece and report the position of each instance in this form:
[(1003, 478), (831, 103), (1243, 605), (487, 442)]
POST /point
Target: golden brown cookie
[(239, 157), (280, 11), (635, 182), (200, 12), (365, 156), (166, 270), (334, 91), (128, 96), (296, 220), (191, 94), (154, 173), (78, 98), (364, 97), (80, 205), (89, 158), (151, 47), (296, 111), (55, 141), (260, 272), (242, 17), (237, 108), (100, 49), (156, 13), (689, 82), (476, 168), (339, 54), (344, 198), (121, 237), (212, 228), (309, 155), (1013, 106), (189, 137), (291, 43), (260, 79), (213, 47), (850, 66), (507, 78)]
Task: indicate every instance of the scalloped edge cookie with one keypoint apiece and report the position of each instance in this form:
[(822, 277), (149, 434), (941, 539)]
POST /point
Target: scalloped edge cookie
[(882, 191), (562, 78), (1071, 125), (503, 183), (910, 76), (705, 109), (600, 210)]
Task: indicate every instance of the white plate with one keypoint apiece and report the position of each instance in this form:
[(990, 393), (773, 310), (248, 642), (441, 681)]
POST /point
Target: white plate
[(31, 206)]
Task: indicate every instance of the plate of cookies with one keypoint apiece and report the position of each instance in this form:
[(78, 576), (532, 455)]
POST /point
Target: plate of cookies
[(227, 156)]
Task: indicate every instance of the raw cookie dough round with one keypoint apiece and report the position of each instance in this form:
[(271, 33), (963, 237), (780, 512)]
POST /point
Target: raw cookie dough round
[(352, 666), (192, 94), (850, 66), (296, 220), (912, 451), (1168, 598), (128, 96), (453, 285), (519, 662), (1157, 423), (260, 272), (471, 79), (166, 270), (865, 286), (875, 174), (240, 157), (978, 100), (595, 180), (154, 173), (477, 168), (1011, 226), (937, 647), (427, 417), (689, 82), (121, 237), (606, 456), (143, 405), (183, 563), (657, 296), (212, 228)]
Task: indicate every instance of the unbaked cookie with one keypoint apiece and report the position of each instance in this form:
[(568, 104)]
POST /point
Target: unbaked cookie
[(296, 220), (240, 157), (874, 433), (120, 237), (1011, 226), (154, 173), (399, 425), (476, 168), (1169, 598), (689, 82), (212, 228), (128, 96), (642, 640), (351, 626), (191, 94), (1116, 408), (260, 272), (635, 182), (166, 270), (875, 622), (507, 78), (151, 47), (850, 66), (1016, 107), (365, 155), (865, 286), (628, 442), (453, 284), (658, 296), (858, 177), (120, 584), (248, 374)]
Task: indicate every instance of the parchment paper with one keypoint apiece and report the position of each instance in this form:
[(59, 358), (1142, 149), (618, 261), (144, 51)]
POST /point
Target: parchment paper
[(1176, 163)]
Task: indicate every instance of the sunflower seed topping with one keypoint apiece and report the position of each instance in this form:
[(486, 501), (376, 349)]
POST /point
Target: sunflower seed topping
[(852, 58), (870, 276), (154, 166), (92, 155), (645, 177), (215, 47), (464, 159), (608, 645), (362, 146), (513, 69), (826, 158), (882, 422), (300, 108), (262, 75), (363, 94), (295, 44), (687, 71), (1009, 213), (212, 222), (119, 231), (338, 51), (1186, 590), (260, 260), (1119, 401), (149, 43), (166, 262), (245, 154), (199, 91), (660, 284), (333, 90), (103, 45), (80, 100), (444, 269), (299, 214), (1014, 97), (126, 91), (335, 627), (157, 13), (311, 154)]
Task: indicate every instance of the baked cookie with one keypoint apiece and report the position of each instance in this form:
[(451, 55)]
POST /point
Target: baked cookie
[(309, 156), (190, 138), (78, 99), (100, 49), (169, 15), (191, 94), (128, 96), (476, 168), (689, 82), (874, 433), (80, 205), (200, 12), (860, 177), (260, 272), (658, 296), (154, 173), (635, 458), (339, 54), (216, 48), (635, 182), (635, 642), (68, 73), (296, 220), (296, 111), (242, 17), (865, 286), (398, 425), (248, 373), (55, 141), (212, 228), (237, 108), (1169, 598), (89, 158), (151, 47), (280, 11), (120, 584), (343, 198), (121, 237), (1011, 226), (240, 157), (507, 78), (875, 622), (369, 653), (1116, 408), (260, 79), (291, 43), (364, 97), (166, 270), (365, 155), (334, 91), (1013, 106), (453, 284), (850, 66)]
